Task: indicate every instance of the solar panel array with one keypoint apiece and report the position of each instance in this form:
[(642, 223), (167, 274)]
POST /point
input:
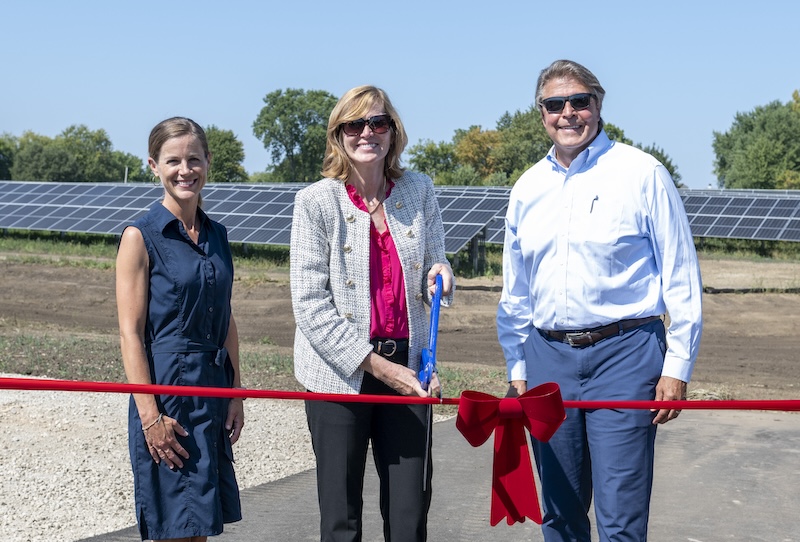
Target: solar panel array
[(261, 213), (764, 215)]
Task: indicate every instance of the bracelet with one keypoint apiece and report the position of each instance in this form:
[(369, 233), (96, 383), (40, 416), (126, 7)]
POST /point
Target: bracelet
[(160, 415)]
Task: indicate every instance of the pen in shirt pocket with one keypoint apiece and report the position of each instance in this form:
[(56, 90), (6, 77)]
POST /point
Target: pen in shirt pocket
[(592, 206)]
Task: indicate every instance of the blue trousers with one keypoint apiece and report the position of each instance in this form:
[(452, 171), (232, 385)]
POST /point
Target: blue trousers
[(608, 453)]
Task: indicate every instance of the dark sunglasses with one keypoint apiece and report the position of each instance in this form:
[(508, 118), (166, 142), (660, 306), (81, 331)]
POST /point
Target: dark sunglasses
[(577, 101), (379, 124)]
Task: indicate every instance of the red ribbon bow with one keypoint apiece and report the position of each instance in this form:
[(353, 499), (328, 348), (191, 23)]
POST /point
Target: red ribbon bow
[(541, 411)]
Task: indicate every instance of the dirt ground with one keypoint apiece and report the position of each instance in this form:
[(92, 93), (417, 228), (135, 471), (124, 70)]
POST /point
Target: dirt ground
[(750, 347)]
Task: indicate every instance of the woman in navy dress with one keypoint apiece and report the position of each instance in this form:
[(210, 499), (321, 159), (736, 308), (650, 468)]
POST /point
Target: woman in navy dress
[(174, 281)]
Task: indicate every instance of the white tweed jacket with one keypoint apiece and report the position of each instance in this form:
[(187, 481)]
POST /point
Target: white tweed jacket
[(329, 261)]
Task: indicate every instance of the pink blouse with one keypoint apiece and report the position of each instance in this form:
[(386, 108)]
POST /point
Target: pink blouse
[(388, 314)]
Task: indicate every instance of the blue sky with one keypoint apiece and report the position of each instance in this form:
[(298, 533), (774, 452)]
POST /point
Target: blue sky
[(674, 71)]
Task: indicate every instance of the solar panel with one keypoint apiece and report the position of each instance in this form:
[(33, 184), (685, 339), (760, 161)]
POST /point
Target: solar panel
[(261, 213), (762, 215)]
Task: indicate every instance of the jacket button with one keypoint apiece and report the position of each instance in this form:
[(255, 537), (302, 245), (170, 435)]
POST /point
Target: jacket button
[(348, 283), (410, 233), (348, 315), (418, 296), (350, 218), (399, 205), (347, 248), (417, 266)]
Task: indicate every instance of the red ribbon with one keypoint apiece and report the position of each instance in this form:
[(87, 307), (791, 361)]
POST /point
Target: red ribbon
[(541, 412)]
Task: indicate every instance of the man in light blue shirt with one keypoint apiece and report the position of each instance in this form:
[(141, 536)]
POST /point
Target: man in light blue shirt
[(597, 250)]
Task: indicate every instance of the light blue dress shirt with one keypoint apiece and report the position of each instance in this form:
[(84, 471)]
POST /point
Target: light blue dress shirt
[(605, 240)]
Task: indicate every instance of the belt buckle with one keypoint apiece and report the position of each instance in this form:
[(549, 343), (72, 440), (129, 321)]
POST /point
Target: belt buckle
[(389, 342), (572, 338)]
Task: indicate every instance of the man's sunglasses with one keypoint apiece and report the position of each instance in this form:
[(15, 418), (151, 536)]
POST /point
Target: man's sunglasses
[(379, 124), (577, 101)]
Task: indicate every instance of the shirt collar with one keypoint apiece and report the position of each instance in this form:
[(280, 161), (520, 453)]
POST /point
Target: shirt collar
[(599, 145), (164, 218)]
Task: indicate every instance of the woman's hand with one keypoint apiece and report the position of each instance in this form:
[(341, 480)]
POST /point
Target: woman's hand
[(448, 279), (398, 377), (163, 444), (435, 386), (235, 421)]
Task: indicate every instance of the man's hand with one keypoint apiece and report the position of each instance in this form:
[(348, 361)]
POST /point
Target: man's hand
[(669, 389)]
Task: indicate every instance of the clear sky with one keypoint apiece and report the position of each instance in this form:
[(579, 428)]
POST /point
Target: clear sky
[(674, 71)]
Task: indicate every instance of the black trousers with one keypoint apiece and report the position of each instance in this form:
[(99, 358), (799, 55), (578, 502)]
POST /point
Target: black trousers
[(401, 446)]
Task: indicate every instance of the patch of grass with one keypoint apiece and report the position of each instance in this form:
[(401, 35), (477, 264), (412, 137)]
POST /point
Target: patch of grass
[(714, 393), (61, 356), (747, 249), (61, 244)]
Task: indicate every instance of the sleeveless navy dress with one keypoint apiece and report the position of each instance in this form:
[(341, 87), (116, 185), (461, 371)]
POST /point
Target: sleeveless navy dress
[(187, 322)]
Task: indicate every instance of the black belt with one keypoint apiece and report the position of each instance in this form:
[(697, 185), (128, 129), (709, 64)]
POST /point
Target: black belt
[(389, 347), (590, 336)]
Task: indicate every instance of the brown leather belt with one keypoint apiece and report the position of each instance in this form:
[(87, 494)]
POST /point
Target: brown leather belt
[(590, 336), (389, 347)]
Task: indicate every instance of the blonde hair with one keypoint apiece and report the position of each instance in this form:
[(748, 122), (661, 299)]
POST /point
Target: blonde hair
[(353, 105)]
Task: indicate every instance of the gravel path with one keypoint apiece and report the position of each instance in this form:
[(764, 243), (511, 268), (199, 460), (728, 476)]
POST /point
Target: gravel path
[(66, 472)]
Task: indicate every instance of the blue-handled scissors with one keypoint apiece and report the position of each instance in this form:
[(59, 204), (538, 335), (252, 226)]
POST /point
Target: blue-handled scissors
[(427, 366)]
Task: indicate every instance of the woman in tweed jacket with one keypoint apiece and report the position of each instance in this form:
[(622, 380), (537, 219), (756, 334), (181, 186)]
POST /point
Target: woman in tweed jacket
[(367, 244)]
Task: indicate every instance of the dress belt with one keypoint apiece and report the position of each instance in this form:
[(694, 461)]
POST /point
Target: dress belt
[(389, 347), (588, 337)]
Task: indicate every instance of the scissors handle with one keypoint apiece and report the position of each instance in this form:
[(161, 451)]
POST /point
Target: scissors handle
[(435, 304)]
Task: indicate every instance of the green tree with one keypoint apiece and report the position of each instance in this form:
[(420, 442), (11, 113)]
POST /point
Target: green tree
[(75, 155), (761, 147), (462, 175), (292, 125), (8, 147), (432, 158), (96, 157), (476, 148), (39, 158), (227, 155), (523, 142)]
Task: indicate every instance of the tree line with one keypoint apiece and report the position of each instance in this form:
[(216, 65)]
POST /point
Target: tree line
[(760, 150)]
